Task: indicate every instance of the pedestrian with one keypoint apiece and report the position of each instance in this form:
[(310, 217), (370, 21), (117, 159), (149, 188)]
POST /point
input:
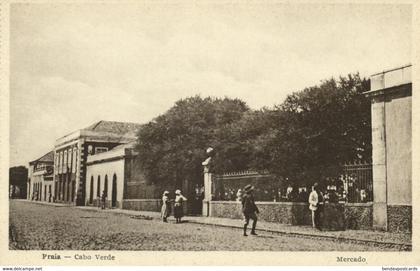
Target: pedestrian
[(178, 206), (249, 209), (239, 195), (166, 206), (315, 201), (197, 203), (289, 191), (103, 199)]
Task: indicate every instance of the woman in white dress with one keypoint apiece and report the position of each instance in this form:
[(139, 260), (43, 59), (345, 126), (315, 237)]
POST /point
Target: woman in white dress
[(166, 207)]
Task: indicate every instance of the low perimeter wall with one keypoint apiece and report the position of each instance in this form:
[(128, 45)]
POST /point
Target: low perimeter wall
[(399, 218), (357, 215), (149, 205)]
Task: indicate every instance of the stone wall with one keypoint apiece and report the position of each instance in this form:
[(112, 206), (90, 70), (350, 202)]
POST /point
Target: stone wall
[(150, 205), (399, 218), (108, 204), (357, 215), (137, 186), (292, 213)]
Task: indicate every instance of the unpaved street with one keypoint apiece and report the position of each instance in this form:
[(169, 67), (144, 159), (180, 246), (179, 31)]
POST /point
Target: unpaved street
[(34, 226)]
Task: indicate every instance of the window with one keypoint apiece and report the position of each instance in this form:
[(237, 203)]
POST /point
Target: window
[(100, 149), (55, 163), (69, 159), (106, 186), (65, 162), (98, 191), (74, 160), (60, 163)]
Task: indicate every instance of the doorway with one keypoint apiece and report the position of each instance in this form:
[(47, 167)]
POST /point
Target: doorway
[(91, 191), (114, 191)]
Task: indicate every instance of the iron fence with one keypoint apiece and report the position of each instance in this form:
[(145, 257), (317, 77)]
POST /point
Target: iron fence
[(358, 182), (354, 185)]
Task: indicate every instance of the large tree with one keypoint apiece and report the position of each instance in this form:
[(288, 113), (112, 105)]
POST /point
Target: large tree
[(172, 146), (320, 128), (18, 176), (310, 135)]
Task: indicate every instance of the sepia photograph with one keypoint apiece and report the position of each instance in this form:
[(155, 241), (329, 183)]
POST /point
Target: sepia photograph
[(210, 126)]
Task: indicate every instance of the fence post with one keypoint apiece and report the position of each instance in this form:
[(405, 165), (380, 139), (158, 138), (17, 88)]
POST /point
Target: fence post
[(207, 187)]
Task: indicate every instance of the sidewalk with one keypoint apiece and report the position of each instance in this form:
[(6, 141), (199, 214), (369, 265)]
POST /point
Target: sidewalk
[(403, 240)]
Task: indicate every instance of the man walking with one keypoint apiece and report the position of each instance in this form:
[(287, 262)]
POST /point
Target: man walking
[(249, 209)]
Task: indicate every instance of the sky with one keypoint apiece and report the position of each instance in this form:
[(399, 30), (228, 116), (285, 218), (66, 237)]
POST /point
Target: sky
[(74, 64)]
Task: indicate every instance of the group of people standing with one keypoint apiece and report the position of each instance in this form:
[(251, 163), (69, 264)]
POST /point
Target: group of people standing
[(249, 208), (178, 206)]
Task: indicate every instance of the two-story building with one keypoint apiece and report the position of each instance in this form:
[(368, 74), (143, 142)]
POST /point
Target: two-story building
[(72, 150), (40, 178)]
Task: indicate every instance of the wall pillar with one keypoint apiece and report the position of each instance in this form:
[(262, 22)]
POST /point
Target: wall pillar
[(207, 187), (380, 219)]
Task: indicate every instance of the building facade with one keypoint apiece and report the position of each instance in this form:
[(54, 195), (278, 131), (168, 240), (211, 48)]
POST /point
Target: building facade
[(391, 95), (117, 174), (72, 151), (106, 173), (40, 183)]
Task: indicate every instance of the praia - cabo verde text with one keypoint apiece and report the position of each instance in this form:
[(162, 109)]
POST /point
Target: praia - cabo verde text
[(100, 257)]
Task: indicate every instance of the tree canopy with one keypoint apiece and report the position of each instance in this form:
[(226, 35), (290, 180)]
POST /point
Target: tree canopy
[(311, 133), (172, 146), (18, 175), (321, 128)]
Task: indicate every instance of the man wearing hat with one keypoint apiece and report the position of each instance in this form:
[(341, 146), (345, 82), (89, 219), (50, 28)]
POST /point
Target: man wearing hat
[(249, 209)]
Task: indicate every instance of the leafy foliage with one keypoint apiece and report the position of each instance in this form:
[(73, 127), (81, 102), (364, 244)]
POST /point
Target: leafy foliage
[(320, 128), (172, 146), (308, 136), (18, 175)]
